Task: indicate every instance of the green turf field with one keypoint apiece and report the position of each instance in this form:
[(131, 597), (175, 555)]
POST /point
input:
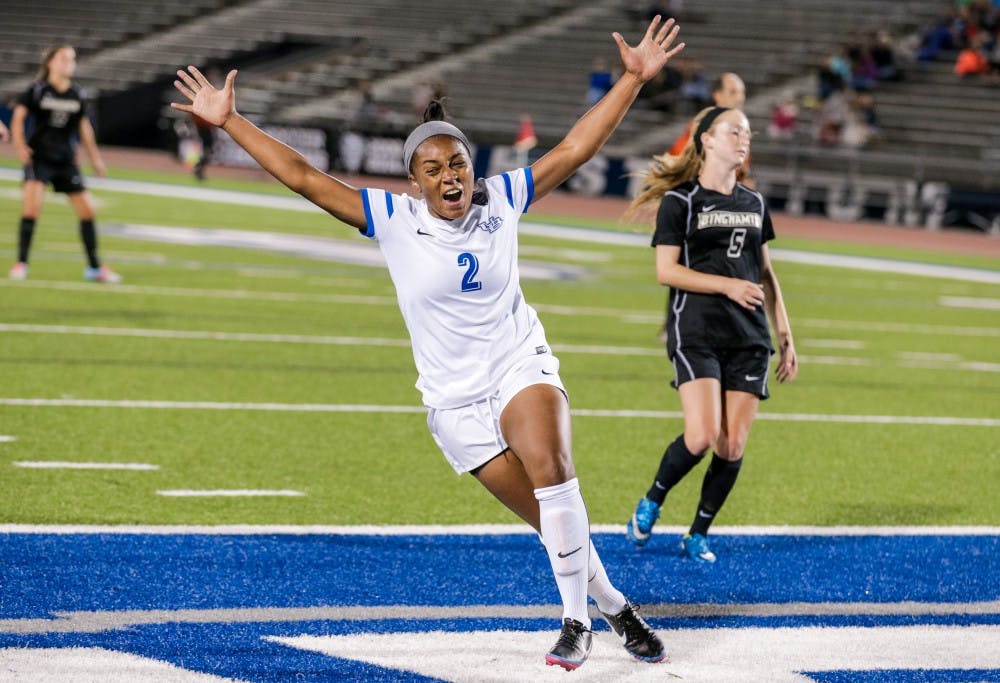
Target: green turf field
[(224, 326)]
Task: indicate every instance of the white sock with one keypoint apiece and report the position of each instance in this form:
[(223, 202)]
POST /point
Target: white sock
[(608, 598), (566, 536)]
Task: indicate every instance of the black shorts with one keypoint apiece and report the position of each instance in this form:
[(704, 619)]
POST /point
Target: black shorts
[(736, 369), (64, 177)]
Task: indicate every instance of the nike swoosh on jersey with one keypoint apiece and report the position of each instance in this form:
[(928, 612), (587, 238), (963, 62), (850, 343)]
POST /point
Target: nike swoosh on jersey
[(421, 232)]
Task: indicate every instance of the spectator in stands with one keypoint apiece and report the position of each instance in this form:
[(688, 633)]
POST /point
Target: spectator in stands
[(57, 111), (972, 60), (711, 237), (784, 119), (883, 54), (660, 93), (599, 81), (496, 405), (829, 79), (728, 90), (833, 115), (695, 88)]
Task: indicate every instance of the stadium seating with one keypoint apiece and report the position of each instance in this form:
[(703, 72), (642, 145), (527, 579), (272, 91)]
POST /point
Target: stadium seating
[(300, 61)]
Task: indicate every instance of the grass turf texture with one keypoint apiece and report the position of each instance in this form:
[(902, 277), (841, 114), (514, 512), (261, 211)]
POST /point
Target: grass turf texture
[(872, 344)]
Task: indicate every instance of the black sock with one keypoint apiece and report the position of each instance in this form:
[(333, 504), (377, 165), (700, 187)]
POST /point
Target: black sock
[(89, 236), (720, 477), (24, 234), (677, 461)]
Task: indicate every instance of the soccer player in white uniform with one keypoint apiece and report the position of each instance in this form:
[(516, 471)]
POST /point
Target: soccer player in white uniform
[(496, 405)]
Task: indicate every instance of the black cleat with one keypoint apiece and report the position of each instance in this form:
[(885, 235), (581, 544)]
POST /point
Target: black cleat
[(639, 639), (573, 646)]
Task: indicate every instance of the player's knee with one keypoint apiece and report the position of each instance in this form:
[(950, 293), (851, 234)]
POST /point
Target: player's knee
[(698, 441)]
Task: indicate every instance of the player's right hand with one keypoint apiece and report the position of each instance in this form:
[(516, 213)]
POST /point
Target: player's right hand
[(207, 102)]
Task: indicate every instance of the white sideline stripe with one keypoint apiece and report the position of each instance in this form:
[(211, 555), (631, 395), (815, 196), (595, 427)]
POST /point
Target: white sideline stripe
[(476, 530), (899, 328), (205, 335), (64, 465), (227, 493), (581, 412), (969, 302), (89, 622), (6, 438), (255, 337), (594, 235)]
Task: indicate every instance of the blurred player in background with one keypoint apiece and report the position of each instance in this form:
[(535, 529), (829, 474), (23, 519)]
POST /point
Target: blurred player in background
[(496, 405), (58, 112), (711, 250)]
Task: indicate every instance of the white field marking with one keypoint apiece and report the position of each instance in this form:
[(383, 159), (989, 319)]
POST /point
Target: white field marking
[(6, 438), (206, 335), (64, 465), (565, 254), (95, 621), (833, 343), (834, 360), (549, 309), (477, 530), (90, 665), (900, 328), (249, 294), (924, 356), (968, 366), (736, 655), (941, 421), (356, 251), (227, 493), (969, 302), (254, 337), (594, 235)]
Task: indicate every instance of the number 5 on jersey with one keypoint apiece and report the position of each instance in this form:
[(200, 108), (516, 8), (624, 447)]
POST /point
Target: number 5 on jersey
[(471, 265)]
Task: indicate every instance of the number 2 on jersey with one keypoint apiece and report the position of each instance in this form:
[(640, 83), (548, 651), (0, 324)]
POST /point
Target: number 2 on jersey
[(471, 265)]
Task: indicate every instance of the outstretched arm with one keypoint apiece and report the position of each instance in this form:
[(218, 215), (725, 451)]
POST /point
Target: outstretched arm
[(589, 134), (218, 107)]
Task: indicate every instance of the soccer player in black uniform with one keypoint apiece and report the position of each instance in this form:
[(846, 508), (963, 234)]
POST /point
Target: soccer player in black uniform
[(711, 250), (58, 112)]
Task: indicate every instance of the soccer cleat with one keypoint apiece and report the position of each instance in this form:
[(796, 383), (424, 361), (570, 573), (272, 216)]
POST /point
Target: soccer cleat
[(640, 526), (695, 546), (639, 639), (19, 271), (573, 646), (102, 274)]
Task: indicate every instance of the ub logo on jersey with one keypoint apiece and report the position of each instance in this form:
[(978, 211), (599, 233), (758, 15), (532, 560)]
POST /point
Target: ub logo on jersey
[(492, 224)]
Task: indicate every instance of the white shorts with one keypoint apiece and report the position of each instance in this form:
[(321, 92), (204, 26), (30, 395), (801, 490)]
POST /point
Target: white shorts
[(470, 436)]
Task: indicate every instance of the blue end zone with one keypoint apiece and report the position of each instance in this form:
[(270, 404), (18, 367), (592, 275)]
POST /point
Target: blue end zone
[(41, 574)]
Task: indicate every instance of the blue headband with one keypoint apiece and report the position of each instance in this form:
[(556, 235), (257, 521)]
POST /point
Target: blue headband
[(429, 130), (706, 122)]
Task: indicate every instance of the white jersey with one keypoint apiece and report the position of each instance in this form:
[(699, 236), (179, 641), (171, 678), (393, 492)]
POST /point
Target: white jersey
[(458, 287)]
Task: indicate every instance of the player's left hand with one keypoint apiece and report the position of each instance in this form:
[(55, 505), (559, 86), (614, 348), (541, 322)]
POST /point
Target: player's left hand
[(646, 59), (788, 363)]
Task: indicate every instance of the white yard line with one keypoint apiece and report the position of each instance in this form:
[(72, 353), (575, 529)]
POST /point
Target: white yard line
[(227, 493), (941, 421), (67, 465)]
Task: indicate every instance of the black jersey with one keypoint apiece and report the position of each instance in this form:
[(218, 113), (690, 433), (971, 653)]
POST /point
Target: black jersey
[(721, 235), (55, 121)]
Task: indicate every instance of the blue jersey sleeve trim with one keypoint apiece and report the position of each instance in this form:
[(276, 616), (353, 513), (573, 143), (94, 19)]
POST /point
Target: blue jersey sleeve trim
[(530, 179), (509, 189), (388, 203), (368, 215)]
